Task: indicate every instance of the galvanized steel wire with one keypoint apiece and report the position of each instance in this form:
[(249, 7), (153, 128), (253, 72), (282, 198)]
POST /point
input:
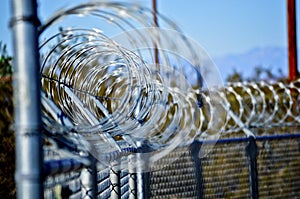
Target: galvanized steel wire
[(112, 94), (108, 92)]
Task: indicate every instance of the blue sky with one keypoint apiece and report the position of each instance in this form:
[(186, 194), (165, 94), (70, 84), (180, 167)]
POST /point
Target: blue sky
[(231, 26), (221, 26)]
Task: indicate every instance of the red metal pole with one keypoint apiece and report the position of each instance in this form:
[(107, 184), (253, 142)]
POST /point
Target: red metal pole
[(154, 7), (292, 42)]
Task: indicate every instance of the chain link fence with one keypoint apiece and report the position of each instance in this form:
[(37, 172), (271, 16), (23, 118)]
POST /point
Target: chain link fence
[(224, 173), (122, 117)]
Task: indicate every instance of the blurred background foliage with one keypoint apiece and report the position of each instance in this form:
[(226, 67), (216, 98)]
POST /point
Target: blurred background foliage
[(5, 62), (7, 147), (259, 73)]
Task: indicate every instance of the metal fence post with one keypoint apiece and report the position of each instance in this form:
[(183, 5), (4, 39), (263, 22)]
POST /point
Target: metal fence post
[(251, 150), (132, 177), (195, 150), (143, 170), (89, 180), (27, 102)]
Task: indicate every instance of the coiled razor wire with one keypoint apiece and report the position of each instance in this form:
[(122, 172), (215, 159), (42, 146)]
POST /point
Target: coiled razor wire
[(261, 104), (108, 94)]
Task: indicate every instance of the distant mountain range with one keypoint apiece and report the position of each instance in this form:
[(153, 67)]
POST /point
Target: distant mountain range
[(274, 58)]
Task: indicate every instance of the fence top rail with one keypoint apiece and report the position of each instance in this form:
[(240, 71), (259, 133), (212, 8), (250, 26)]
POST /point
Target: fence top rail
[(245, 139), (54, 167)]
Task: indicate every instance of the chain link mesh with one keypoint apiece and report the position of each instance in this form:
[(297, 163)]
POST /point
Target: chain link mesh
[(279, 168)]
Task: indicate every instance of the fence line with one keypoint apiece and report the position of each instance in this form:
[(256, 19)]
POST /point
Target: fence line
[(114, 126)]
